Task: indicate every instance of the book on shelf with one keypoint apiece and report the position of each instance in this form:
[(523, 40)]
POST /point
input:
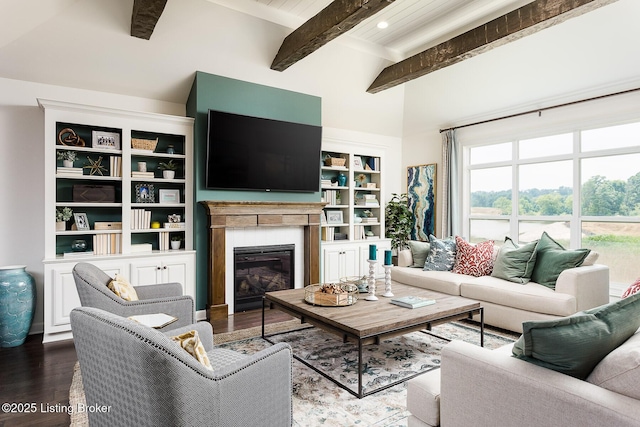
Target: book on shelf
[(328, 234), (163, 241), (358, 232), (136, 174), (156, 320), (412, 301), (369, 220), (61, 170), (106, 244), (140, 219), (115, 166), (180, 225), (141, 247)]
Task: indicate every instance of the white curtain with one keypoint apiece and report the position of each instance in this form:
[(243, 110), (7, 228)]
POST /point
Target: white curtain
[(451, 209)]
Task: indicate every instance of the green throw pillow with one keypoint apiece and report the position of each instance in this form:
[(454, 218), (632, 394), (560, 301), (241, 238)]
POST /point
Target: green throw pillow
[(574, 345), (515, 263), (552, 259), (419, 252)]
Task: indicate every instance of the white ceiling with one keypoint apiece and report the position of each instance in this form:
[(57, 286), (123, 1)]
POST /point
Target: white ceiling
[(86, 44)]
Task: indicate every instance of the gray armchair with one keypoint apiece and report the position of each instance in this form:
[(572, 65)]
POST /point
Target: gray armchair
[(146, 379), (92, 282)]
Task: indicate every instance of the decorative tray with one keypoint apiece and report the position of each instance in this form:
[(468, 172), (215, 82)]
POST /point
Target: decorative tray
[(359, 281), (331, 294)]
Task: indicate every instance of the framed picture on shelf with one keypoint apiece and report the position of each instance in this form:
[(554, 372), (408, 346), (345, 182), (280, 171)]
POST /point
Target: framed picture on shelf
[(357, 163), (169, 196), (334, 217), (145, 193), (109, 140), (82, 222)]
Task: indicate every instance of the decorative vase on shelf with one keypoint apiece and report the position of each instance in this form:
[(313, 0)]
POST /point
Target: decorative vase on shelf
[(61, 225), (17, 304), (167, 174), (175, 244), (342, 180), (79, 245), (67, 163)]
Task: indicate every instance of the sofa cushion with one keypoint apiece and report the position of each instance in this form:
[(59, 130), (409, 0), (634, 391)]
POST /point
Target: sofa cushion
[(574, 345), (529, 297), (442, 254), (515, 263), (445, 282), (634, 288), (473, 260), (419, 252), (619, 371), (552, 259)]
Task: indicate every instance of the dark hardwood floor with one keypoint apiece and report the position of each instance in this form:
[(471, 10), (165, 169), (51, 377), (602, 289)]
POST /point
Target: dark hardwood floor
[(41, 374)]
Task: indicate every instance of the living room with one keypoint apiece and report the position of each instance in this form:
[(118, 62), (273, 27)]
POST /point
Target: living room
[(81, 52)]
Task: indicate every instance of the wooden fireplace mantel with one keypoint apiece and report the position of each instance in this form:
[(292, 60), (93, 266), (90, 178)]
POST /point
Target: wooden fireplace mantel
[(225, 214)]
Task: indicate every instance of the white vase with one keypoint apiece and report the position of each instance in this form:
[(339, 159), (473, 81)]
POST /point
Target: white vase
[(166, 174), (67, 163), (175, 244), (61, 225)]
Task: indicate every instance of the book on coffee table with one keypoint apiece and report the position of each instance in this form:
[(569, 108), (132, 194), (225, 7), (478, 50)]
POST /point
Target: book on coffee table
[(156, 320), (412, 302)]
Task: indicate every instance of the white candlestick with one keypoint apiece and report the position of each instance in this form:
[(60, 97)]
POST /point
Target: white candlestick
[(387, 281), (371, 281)]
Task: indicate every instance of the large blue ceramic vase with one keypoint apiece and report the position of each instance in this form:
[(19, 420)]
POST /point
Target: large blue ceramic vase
[(17, 304)]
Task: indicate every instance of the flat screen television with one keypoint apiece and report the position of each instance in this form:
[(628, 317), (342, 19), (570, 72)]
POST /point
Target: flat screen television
[(252, 153)]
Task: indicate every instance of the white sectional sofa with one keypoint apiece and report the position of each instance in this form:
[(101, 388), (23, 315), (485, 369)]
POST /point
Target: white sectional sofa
[(507, 304)]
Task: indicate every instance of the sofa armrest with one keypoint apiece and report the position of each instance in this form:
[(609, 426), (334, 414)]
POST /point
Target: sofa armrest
[(589, 284), (405, 258), (475, 379)]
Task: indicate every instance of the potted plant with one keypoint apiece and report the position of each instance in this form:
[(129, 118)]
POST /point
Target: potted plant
[(176, 241), (168, 169), (398, 221), (67, 158), (62, 216)]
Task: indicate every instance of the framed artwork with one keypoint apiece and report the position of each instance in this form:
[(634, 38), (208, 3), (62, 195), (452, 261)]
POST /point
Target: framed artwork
[(145, 193), (82, 222), (108, 140), (357, 163), (334, 217), (169, 196), (421, 195)]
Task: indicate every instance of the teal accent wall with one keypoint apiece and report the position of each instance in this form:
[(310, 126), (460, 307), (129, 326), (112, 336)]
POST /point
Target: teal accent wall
[(211, 92)]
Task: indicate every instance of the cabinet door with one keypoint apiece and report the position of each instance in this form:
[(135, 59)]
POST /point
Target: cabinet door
[(147, 271), (331, 264), (340, 261), (349, 265)]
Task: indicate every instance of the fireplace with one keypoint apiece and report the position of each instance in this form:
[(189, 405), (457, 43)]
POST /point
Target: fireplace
[(260, 269)]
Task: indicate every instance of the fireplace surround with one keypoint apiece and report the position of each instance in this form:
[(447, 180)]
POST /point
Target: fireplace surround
[(223, 215)]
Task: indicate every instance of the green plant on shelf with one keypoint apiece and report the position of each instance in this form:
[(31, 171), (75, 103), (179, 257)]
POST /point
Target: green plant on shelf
[(176, 238), (168, 166), (67, 155), (63, 214)]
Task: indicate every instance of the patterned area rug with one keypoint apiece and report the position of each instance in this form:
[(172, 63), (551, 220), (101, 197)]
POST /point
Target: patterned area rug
[(319, 402)]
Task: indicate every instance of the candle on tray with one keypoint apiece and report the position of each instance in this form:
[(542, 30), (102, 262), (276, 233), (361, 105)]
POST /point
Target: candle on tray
[(372, 252), (387, 257)]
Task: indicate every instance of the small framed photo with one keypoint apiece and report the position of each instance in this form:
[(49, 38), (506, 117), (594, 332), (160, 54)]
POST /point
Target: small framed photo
[(334, 217), (108, 140), (169, 196), (357, 163), (145, 193), (82, 222)]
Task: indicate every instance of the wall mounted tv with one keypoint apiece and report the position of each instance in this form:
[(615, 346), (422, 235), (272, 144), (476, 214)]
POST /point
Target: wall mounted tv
[(252, 153)]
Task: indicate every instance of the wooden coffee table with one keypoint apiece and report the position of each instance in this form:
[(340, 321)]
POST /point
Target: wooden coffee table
[(368, 322)]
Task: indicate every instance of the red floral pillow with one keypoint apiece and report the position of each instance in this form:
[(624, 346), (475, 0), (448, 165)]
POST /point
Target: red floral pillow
[(635, 288), (473, 260)]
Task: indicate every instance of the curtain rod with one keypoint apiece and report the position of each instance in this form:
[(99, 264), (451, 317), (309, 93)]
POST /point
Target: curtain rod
[(540, 110)]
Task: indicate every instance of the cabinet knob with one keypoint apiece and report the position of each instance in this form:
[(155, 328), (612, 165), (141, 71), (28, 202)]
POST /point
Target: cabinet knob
[(164, 268), (158, 268)]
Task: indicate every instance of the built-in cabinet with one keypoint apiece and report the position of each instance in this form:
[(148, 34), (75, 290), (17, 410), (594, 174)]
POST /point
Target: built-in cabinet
[(353, 190), (126, 209)]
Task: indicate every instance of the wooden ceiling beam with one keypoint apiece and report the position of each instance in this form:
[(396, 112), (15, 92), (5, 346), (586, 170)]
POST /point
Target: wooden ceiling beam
[(523, 21), (145, 16), (334, 20)]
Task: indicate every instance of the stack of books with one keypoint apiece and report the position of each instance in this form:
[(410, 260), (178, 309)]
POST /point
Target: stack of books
[(141, 175), (164, 243), (325, 183), (370, 220), (358, 232), (70, 172), (140, 219), (328, 234), (368, 200), (330, 197), (105, 244), (115, 166)]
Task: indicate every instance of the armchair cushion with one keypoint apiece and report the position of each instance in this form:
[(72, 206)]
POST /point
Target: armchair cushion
[(122, 288), (190, 342)]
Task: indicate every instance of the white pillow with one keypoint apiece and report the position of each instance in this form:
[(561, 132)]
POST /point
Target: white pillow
[(619, 371), (591, 258)]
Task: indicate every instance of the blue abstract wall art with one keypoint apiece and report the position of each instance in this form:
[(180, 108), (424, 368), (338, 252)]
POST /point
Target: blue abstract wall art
[(421, 192)]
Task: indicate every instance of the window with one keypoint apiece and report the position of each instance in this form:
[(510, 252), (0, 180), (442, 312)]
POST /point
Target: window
[(582, 188)]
